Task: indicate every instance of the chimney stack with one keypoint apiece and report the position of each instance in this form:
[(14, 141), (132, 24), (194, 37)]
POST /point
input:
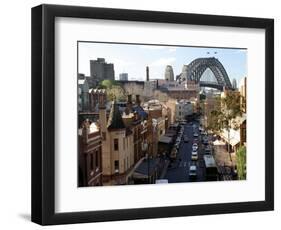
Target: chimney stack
[(147, 73), (129, 103), (102, 100), (138, 101)]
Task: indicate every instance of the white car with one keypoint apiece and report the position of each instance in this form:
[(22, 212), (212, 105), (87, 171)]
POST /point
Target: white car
[(194, 155), (195, 134), (194, 147), (192, 171)]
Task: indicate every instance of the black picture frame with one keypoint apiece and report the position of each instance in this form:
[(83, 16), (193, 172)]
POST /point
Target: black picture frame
[(43, 110)]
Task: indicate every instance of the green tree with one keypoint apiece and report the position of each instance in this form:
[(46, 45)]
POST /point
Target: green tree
[(108, 84), (116, 92), (229, 111), (241, 163), (224, 117)]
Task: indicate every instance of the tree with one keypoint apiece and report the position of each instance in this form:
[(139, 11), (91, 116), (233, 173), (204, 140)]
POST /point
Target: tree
[(108, 84), (116, 92), (229, 111), (241, 162), (224, 117)]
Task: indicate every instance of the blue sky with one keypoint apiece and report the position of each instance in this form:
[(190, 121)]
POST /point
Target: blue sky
[(133, 59)]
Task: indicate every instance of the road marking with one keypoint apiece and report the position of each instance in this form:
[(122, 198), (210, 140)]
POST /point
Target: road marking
[(184, 164)]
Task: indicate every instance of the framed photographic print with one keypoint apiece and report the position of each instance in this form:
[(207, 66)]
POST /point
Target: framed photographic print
[(144, 114)]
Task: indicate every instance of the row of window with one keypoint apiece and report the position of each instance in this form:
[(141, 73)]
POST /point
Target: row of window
[(116, 143), (94, 160), (126, 164)]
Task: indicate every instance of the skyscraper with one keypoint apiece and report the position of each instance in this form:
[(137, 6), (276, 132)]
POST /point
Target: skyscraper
[(234, 83), (100, 70), (147, 73), (169, 73), (123, 76)]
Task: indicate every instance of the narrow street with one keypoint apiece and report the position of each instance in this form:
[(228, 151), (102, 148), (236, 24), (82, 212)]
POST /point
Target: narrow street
[(179, 169)]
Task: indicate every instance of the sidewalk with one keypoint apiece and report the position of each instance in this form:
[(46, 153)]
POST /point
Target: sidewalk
[(222, 157), (165, 168)]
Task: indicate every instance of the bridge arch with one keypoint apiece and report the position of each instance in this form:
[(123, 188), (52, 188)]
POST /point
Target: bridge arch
[(197, 67)]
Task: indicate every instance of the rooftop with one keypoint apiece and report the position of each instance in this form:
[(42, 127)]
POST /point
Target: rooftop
[(115, 120)]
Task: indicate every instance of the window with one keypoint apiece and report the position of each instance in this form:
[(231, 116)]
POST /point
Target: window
[(91, 161), (116, 166), (127, 162), (116, 147), (103, 136), (124, 143), (97, 158)]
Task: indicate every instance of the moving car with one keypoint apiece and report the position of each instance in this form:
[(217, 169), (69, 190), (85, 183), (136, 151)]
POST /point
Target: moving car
[(192, 171), (194, 155), (195, 134), (194, 147)]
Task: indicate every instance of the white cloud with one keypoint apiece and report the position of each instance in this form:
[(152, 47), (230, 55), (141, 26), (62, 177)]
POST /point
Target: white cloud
[(163, 61)]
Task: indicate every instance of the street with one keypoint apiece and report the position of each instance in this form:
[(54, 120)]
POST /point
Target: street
[(179, 169)]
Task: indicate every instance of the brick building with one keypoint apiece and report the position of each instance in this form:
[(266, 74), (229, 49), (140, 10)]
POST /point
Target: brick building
[(90, 150)]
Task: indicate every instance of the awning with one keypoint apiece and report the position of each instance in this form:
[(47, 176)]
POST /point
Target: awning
[(233, 137)]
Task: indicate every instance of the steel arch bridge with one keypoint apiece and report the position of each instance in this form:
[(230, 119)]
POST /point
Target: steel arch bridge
[(195, 70)]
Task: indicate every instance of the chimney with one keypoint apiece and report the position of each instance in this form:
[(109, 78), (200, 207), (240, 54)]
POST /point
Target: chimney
[(102, 112), (85, 130), (129, 103), (138, 101), (102, 100), (147, 73)]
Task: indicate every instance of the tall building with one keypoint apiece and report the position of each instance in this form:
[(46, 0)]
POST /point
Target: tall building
[(83, 95), (100, 70), (234, 83), (123, 76), (169, 73), (184, 109), (90, 166), (117, 147), (243, 94), (147, 73), (184, 72)]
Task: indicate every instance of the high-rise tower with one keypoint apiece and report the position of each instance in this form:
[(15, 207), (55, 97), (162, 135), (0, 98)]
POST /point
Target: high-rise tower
[(169, 73)]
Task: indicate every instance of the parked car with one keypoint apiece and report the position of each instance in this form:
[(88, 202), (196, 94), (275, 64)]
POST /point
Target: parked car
[(208, 150), (205, 140), (195, 134)]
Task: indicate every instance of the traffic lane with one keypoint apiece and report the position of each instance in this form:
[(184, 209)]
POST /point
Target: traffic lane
[(179, 172), (200, 162)]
